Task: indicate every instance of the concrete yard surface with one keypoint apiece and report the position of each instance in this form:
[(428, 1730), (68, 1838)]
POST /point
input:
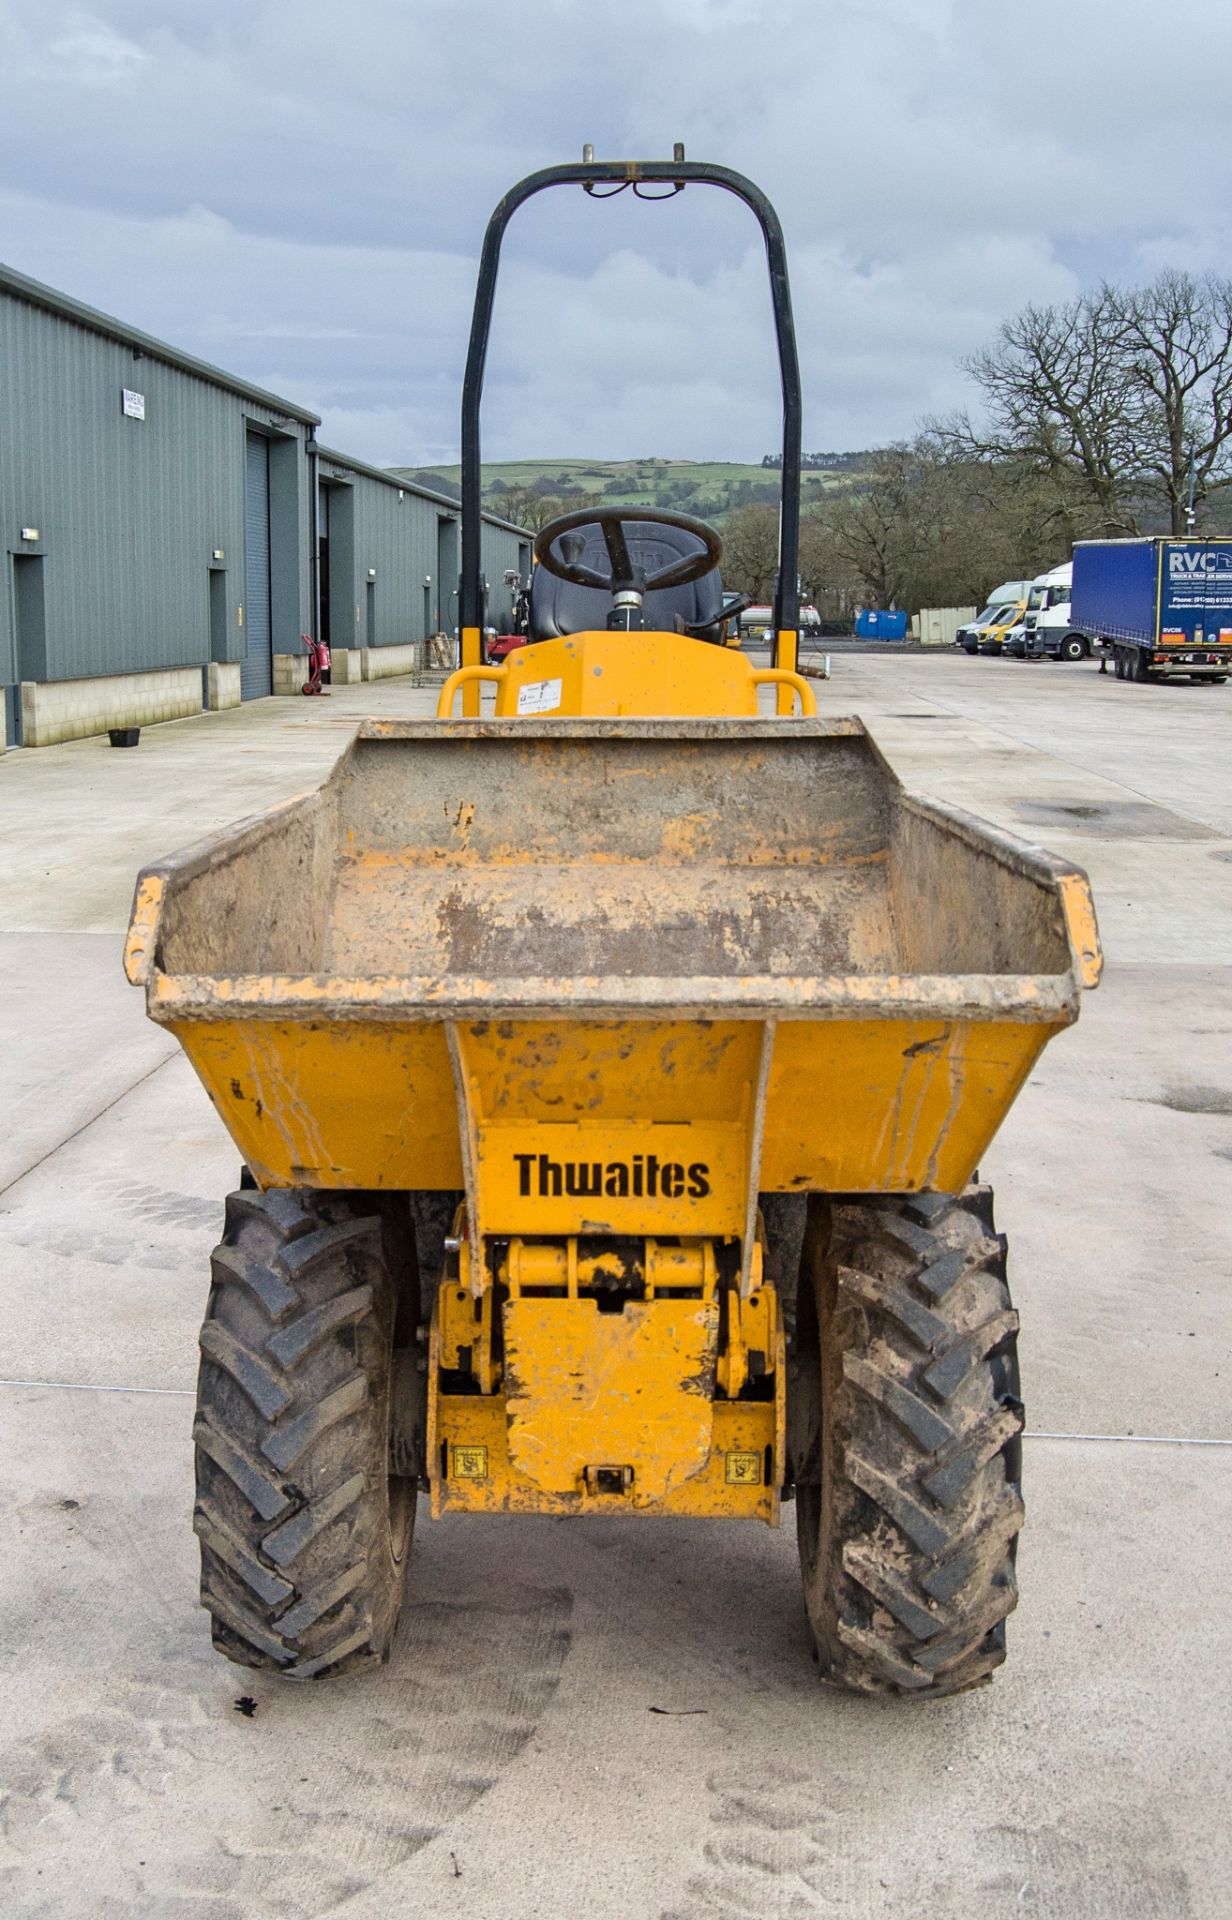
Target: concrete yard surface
[(601, 1717)]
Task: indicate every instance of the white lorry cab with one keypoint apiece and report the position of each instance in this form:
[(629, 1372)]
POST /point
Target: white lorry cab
[(1048, 628), (986, 633)]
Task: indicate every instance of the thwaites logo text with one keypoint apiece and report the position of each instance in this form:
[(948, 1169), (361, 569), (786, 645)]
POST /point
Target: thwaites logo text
[(1186, 565), (642, 1177)]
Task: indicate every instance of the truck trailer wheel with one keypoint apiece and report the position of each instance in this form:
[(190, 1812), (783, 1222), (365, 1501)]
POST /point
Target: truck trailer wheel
[(905, 1436), (304, 1533)]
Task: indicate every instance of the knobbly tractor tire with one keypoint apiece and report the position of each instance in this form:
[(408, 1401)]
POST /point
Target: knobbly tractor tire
[(304, 1532), (905, 1431)]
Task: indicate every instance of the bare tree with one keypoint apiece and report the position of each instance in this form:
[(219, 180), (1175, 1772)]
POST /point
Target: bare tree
[(1107, 397), (875, 526), (1058, 395), (528, 508), (1176, 337), (751, 551), (921, 526)]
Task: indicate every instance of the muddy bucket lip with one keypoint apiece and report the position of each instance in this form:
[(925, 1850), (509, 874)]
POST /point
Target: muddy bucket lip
[(1049, 997), (1020, 999), (641, 727)]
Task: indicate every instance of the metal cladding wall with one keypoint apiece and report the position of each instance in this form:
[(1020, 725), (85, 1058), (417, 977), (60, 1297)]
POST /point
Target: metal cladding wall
[(505, 549), (385, 535), (130, 507), (128, 510), (379, 534)]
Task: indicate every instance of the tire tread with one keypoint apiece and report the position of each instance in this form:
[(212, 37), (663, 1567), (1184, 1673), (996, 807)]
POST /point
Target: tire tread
[(910, 1572), (299, 1570)]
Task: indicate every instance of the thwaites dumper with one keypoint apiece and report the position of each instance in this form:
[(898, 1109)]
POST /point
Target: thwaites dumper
[(609, 1075)]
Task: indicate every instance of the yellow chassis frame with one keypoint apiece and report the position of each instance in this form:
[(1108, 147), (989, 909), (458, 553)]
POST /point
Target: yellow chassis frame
[(568, 1408)]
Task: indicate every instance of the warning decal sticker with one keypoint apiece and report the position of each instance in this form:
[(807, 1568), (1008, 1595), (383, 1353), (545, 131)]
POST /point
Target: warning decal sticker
[(539, 696)]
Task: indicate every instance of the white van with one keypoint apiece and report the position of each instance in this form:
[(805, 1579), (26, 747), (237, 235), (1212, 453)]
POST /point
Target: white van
[(985, 632), (1047, 627)]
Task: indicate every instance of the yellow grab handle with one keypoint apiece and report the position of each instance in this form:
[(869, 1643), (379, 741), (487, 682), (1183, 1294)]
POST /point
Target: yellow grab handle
[(464, 677), (783, 677)]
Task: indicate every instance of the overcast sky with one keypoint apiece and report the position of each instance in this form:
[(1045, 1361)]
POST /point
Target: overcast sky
[(298, 192)]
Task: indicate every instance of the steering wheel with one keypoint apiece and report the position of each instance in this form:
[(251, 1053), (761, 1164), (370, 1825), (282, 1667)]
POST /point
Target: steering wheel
[(624, 576)]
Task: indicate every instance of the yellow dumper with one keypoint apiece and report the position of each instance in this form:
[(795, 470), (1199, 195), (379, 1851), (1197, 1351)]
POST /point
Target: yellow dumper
[(609, 1074)]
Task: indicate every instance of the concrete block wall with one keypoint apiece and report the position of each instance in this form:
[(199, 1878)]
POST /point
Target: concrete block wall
[(346, 666), (290, 672), (222, 685), (381, 663), (291, 669), (349, 665), (55, 710)]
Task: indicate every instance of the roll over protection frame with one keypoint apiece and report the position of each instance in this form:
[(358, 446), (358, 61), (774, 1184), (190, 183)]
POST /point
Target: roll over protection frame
[(616, 174)]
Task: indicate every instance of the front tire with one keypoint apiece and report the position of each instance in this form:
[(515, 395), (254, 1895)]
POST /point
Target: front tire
[(906, 1440), (304, 1534)]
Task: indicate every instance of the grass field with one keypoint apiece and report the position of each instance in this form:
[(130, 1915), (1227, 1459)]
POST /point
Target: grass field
[(709, 488)]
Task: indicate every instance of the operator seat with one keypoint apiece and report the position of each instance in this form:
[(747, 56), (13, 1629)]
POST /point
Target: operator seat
[(559, 607)]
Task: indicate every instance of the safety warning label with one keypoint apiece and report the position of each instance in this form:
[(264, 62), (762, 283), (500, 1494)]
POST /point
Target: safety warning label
[(539, 696)]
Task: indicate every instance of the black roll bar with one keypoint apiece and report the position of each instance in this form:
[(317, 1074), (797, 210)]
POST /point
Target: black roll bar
[(614, 174)]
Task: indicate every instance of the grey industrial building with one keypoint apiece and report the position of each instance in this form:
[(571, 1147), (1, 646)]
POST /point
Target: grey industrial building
[(170, 532)]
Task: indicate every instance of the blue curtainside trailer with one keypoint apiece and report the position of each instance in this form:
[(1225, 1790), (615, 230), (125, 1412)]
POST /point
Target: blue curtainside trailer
[(1158, 605)]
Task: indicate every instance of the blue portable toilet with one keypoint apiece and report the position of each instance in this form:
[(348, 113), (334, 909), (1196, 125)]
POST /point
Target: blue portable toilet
[(880, 626)]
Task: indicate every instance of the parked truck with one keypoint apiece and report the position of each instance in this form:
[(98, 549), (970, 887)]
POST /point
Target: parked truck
[(1160, 607), (1051, 629), (1004, 607)]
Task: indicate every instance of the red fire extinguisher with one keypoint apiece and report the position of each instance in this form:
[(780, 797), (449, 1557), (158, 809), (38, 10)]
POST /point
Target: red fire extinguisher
[(318, 664)]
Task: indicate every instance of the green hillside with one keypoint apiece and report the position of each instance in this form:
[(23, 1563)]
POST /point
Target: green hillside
[(708, 488)]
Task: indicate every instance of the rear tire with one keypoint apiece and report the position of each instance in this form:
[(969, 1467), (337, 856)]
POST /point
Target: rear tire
[(304, 1534), (1073, 647), (906, 1441)]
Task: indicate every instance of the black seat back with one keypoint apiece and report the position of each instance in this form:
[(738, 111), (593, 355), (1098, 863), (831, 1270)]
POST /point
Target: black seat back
[(559, 607)]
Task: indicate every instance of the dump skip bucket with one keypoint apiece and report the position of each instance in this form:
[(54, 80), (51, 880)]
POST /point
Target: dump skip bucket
[(731, 945)]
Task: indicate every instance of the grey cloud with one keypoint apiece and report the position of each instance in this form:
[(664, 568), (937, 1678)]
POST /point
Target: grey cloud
[(300, 193)]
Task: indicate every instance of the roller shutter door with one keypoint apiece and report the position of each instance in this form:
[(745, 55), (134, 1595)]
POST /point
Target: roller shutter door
[(256, 670)]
